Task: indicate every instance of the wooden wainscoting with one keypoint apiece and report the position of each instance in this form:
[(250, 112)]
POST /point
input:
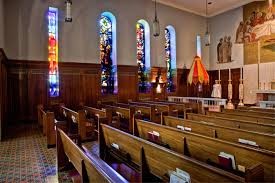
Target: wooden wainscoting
[(127, 83), (3, 93), (27, 86)]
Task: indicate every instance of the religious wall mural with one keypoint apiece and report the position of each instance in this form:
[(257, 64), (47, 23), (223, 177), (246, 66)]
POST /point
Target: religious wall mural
[(257, 32), (224, 50)]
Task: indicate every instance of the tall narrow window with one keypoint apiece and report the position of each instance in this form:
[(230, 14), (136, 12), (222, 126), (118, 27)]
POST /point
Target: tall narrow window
[(53, 52), (108, 53), (198, 43), (143, 55), (170, 55)]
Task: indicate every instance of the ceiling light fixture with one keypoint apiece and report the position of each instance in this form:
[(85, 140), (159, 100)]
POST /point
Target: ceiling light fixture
[(156, 29), (68, 9), (207, 37)]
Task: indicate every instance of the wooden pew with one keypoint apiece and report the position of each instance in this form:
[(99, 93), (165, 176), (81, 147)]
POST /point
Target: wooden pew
[(239, 116), (175, 109), (158, 161), (121, 118), (207, 149), (262, 140), (48, 120), (90, 167), (158, 111), (77, 123), (251, 113), (270, 110), (233, 123), (96, 116)]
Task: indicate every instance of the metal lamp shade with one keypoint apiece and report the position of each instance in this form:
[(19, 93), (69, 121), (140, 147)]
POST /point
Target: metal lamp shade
[(68, 10), (156, 29)]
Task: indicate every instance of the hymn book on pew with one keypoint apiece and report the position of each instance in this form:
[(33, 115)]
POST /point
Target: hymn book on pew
[(179, 176), (154, 136), (227, 161)]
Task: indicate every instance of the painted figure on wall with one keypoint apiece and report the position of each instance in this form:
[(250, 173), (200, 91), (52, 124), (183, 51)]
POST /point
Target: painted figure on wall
[(257, 32), (257, 24), (224, 50)]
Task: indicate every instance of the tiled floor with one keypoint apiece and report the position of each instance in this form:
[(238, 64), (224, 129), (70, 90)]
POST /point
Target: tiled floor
[(24, 157)]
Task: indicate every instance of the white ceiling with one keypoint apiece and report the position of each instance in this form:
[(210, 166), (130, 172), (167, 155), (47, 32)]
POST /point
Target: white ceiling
[(198, 6)]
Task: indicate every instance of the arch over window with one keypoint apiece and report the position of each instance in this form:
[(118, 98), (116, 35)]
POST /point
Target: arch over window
[(198, 43), (108, 53), (143, 55), (171, 57), (53, 51)]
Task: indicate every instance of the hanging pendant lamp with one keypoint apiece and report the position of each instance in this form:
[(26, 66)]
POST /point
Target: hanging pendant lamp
[(156, 29), (207, 37), (68, 11)]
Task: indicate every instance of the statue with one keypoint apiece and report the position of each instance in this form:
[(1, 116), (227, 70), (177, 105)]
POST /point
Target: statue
[(217, 90)]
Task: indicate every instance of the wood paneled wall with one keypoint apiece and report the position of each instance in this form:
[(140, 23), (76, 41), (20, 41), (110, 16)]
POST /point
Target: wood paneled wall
[(26, 84), (3, 93), (127, 83)]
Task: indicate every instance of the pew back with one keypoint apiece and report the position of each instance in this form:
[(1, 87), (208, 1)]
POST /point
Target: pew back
[(161, 160), (91, 169), (251, 113), (205, 148), (264, 141), (240, 116), (233, 123)]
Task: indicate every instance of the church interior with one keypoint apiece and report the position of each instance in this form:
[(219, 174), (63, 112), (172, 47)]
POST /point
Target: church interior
[(118, 91)]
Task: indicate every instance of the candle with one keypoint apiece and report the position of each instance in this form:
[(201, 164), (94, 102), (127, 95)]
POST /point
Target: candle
[(219, 74), (229, 74)]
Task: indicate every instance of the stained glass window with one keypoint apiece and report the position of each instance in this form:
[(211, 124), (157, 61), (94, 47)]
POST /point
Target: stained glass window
[(198, 41), (142, 78), (106, 48), (169, 60), (53, 52)]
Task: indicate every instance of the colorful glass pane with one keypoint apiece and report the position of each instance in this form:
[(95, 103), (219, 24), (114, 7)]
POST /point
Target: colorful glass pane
[(168, 57), (107, 70), (53, 52), (142, 76)]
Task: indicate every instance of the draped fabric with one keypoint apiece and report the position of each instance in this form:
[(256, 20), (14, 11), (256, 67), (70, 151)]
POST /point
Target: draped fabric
[(198, 73)]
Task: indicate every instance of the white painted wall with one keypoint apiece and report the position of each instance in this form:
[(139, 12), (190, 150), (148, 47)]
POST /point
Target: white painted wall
[(26, 30), (1, 24), (222, 25)]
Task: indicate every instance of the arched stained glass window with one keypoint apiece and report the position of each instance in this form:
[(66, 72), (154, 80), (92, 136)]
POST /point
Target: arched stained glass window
[(198, 43), (53, 52), (143, 55), (170, 56), (108, 53)]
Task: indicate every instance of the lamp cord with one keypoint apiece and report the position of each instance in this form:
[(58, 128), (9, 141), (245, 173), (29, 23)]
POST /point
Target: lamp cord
[(155, 9)]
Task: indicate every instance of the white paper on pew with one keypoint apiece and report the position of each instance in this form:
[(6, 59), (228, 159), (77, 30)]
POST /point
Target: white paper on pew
[(86, 112), (64, 113), (156, 133), (74, 119), (180, 127), (188, 129), (184, 175), (249, 142), (115, 146)]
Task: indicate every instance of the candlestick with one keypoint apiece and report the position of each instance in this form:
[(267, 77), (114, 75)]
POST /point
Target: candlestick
[(219, 74), (229, 74), (241, 75)]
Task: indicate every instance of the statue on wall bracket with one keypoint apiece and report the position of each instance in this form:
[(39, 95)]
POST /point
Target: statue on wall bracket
[(224, 50)]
